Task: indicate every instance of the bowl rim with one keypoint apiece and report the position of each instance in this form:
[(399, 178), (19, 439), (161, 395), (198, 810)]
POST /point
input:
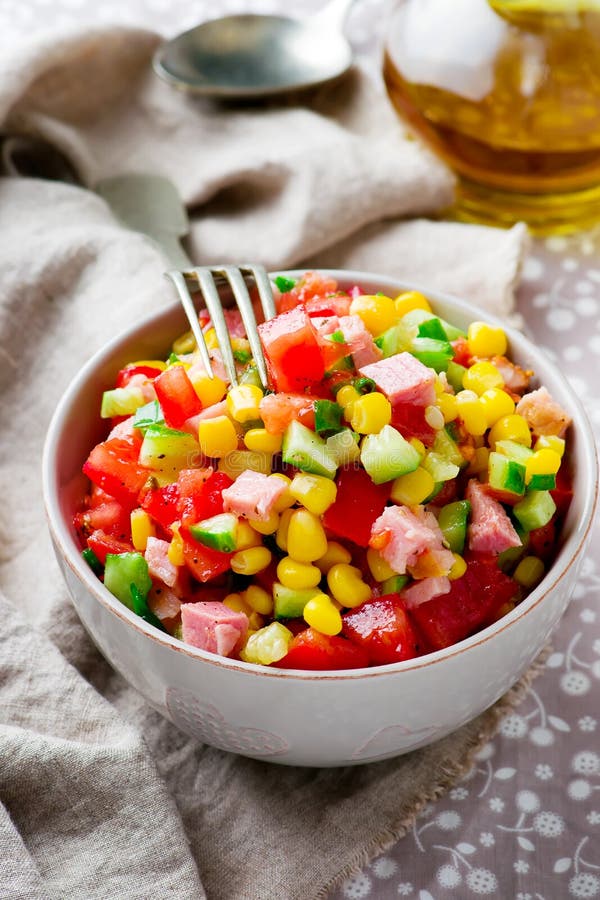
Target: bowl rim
[(64, 541)]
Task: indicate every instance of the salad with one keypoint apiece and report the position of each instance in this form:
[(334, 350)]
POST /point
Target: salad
[(398, 487)]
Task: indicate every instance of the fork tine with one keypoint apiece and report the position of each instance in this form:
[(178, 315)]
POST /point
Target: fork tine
[(215, 310), (178, 279), (244, 303), (265, 291)]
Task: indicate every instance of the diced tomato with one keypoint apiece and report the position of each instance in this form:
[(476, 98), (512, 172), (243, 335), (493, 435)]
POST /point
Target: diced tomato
[(162, 503), (126, 374), (97, 497), (109, 517), (447, 493), (358, 503), (462, 354), (311, 285), (113, 466), (563, 492), (409, 419), (333, 305), (543, 540), (382, 628), (292, 351), (102, 544), (278, 410), (471, 604), (176, 395), (315, 651), (204, 563), (200, 497)]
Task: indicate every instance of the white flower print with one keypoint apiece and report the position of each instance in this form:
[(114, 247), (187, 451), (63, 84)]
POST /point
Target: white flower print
[(549, 824), (527, 801), (459, 793), (384, 867), (482, 881), (596, 646), (522, 896), (541, 736), (544, 772), (584, 885), (588, 616), (593, 817), (586, 763), (513, 726), (496, 804), (587, 723), (405, 888), (357, 887), (448, 820), (521, 866), (448, 876), (580, 789), (487, 839), (575, 683)]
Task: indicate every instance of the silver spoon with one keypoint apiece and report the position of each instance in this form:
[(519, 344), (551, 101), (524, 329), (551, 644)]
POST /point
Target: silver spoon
[(248, 56)]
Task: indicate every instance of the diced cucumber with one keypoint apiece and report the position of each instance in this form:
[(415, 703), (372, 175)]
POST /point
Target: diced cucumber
[(432, 328), (328, 417), (542, 482), (418, 317), (535, 510), (506, 474), (345, 364), (219, 532), (453, 524), (305, 450), (121, 570), (387, 455), (448, 448), (250, 376), (121, 401), (432, 353), (455, 374), (394, 584), (288, 602), (514, 451), (343, 447), (167, 451), (394, 340), (239, 460), (150, 414), (440, 468)]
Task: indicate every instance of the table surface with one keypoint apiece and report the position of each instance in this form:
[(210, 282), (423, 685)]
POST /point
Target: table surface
[(525, 822)]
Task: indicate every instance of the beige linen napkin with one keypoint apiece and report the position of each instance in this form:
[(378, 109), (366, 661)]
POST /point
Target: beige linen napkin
[(99, 796)]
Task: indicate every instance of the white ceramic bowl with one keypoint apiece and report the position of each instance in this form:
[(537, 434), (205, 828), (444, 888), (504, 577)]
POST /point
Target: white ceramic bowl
[(293, 717)]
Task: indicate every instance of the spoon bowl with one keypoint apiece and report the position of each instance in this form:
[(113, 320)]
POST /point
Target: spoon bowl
[(248, 56)]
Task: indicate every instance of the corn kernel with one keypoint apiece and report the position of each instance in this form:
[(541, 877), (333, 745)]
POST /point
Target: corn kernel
[(142, 528), (410, 300), (306, 539), (529, 571), (151, 363), (380, 568), (210, 339), (510, 428), (259, 600), (209, 390), (377, 312), (250, 561), (448, 406), (471, 412), (185, 343), (267, 645), (296, 575), (370, 413), (413, 488), (458, 568), (262, 440), (243, 402), (281, 535), (269, 526), (482, 376), (237, 603), (334, 554), (419, 446), (314, 492), (255, 621), (486, 340), (542, 462), (246, 536), (175, 551), (496, 403), (322, 615), (550, 442), (479, 461), (346, 584), (217, 437), (346, 395)]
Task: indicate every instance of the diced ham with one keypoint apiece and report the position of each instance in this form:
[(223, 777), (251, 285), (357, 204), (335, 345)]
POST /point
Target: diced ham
[(401, 535), (217, 364), (326, 324), (253, 495), (403, 379), (516, 379), (490, 530), (233, 320), (163, 602), (424, 590), (159, 564), (542, 413), (363, 348), (145, 384), (210, 625), (211, 412)]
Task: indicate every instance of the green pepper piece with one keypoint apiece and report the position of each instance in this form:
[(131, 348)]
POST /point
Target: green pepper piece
[(242, 356), (124, 569), (92, 561), (394, 584), (432, 353), (150, 414), (453, 524), (328, 417), (364, 385), (432, 328), (284, 284), (338, 337), (140, 606)]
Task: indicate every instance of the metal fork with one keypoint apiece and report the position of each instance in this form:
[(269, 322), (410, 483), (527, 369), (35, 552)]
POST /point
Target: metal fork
[(206, 278)]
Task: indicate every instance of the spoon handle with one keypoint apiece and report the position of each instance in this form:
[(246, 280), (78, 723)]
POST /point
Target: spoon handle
[(333, 15)]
